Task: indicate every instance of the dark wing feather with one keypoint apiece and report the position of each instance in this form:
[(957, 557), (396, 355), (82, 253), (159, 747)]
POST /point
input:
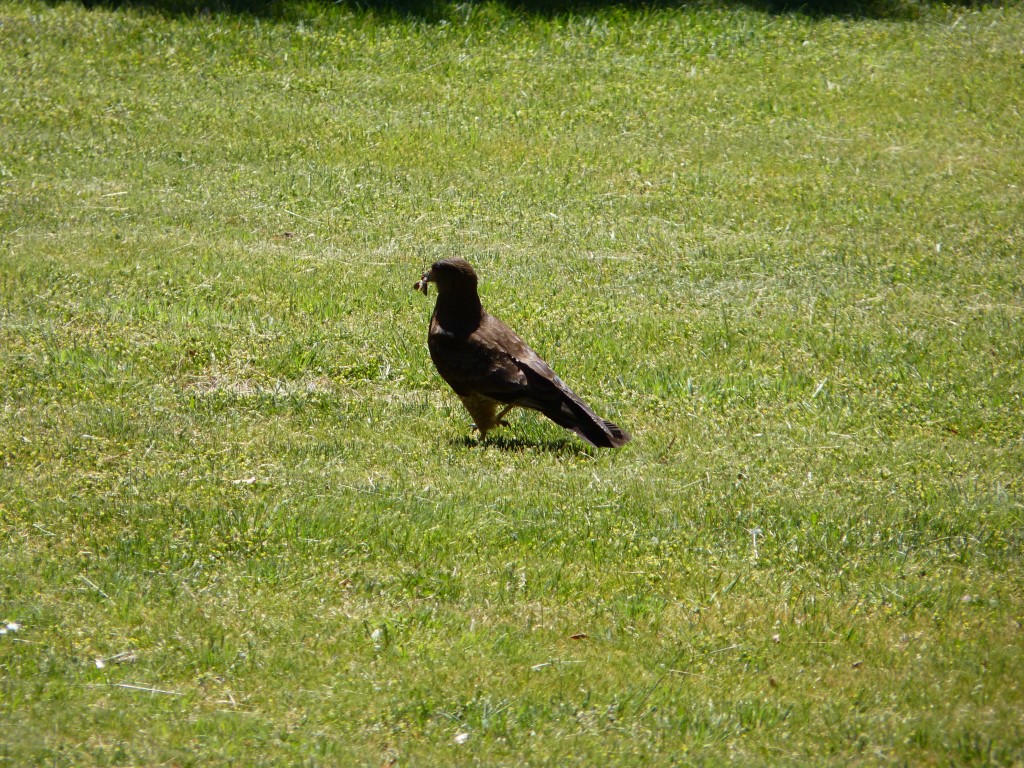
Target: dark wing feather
[(482, 362), (567, 409), (493, 361)]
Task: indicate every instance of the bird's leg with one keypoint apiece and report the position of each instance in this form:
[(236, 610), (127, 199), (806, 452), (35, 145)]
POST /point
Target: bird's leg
[(502, 412), (482, 409)]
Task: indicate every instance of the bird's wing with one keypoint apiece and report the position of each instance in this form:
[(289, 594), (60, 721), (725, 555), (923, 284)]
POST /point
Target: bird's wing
[(494, 362), (491, 361), (535, 385)]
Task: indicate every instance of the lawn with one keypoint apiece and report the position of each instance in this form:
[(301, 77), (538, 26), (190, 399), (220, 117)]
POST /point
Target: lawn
[(243, 521)]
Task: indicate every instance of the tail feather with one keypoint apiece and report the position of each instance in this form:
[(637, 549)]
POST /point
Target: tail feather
[(572, 413)]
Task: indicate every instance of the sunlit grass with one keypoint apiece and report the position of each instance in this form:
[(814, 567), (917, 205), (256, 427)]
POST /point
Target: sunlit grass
[(245, 523)]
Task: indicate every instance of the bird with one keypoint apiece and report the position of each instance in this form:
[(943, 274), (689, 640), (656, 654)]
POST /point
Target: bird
[(491, 369)]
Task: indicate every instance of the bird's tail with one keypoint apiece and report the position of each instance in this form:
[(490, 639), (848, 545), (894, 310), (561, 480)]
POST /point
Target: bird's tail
[(572, 413)]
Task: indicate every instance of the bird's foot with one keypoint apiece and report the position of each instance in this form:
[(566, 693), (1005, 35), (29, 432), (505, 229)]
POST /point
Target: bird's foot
[(483, 433)]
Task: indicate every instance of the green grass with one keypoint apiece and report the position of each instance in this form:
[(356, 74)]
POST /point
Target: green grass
[(783, 250)]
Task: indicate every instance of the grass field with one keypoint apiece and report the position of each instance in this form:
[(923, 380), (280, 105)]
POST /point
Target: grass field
[(243, 522)]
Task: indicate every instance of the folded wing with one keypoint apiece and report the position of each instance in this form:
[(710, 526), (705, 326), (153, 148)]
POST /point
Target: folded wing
[(494, 362)]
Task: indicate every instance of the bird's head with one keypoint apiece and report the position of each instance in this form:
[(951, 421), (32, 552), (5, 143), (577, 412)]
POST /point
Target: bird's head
[(449, 275)]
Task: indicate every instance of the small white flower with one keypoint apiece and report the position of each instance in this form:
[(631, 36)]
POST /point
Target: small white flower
[(461, 737), (754, 533)]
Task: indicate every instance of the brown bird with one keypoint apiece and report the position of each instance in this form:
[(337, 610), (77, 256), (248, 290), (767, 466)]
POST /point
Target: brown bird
[(491, 369)]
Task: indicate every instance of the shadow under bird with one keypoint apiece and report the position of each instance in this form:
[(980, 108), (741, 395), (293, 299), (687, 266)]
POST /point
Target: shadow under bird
[(491, 369)]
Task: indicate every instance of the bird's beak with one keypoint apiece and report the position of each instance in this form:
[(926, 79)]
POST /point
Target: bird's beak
[(421, 284)]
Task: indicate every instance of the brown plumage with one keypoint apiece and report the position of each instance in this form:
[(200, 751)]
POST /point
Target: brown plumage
[(491, 369)]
